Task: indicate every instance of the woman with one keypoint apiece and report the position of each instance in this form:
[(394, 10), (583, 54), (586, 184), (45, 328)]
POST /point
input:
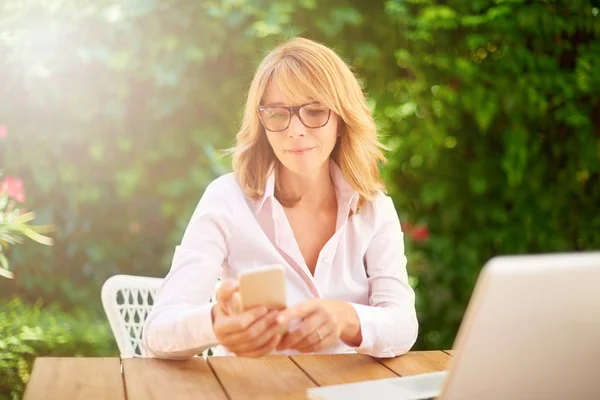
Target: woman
[(305, 193)]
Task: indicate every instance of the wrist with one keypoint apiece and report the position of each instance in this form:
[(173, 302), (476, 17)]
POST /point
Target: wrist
[(349, 323)]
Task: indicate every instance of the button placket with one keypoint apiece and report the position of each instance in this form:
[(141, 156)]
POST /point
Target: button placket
[(286, 244)]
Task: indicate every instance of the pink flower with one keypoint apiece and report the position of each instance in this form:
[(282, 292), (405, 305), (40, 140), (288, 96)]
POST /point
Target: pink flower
[(13, 187), (417, 233), (3, 131), (420, 233)]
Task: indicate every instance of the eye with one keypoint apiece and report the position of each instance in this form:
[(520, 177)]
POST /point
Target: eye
[(277, 114), (315, 109)]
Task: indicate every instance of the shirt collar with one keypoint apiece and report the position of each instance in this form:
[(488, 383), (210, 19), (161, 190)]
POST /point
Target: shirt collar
[(269, 191), (346, 195)]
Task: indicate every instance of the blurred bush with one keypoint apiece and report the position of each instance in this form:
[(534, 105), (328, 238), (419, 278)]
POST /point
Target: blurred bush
[(116, 108), (33, 330), (494, 116)]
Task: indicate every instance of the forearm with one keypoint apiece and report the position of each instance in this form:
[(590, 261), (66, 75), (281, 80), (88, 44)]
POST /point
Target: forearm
[(179, 332)]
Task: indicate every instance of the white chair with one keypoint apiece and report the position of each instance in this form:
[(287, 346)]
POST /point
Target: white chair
[(127, 301)]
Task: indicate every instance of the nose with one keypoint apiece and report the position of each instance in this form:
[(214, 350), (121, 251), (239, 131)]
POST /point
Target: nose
[(296, 127)]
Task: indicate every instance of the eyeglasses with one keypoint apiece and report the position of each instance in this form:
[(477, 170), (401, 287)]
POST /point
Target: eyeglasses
[(278, 118)]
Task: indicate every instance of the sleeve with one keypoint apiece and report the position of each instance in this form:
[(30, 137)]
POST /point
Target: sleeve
[(389, 325), (179, 325)]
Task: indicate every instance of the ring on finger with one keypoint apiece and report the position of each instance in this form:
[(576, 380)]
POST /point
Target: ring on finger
[(319, 337)]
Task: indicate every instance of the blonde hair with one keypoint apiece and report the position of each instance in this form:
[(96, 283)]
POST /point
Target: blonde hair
[(309, 71)]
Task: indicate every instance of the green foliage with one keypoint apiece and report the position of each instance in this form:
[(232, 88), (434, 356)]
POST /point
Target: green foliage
[(490, 108), (28, 331), (14, 221), (130, 102), (497, 139)]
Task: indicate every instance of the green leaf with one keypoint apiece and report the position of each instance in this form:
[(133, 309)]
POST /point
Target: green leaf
[(435, 13), (308, 4), (485, 113), (29, 216), (4, 267), (36, 237), (263, 29)]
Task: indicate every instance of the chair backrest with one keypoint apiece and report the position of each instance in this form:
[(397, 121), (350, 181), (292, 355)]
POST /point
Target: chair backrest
[(127, 301)]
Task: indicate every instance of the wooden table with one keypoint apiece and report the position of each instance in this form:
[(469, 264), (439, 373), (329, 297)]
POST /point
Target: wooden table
[(273, 377)]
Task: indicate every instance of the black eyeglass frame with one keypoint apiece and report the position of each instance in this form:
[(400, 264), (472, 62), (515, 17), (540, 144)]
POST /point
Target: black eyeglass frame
[(291, 112)]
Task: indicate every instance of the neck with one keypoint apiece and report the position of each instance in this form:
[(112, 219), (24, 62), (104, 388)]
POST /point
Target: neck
[(315, 190)]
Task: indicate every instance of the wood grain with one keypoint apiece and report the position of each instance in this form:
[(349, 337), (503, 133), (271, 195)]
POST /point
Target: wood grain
[(334, 369), (417, 362), (450, 352), (441, 357), (75, 378), (272, 377), (163, 379)]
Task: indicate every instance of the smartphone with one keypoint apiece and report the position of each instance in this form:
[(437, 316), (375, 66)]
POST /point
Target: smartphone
[(263, 287)]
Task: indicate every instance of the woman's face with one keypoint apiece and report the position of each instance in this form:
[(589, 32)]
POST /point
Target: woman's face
[(301, 149)]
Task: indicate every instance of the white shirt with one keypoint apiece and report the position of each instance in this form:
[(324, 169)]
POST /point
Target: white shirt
[(363, 263)]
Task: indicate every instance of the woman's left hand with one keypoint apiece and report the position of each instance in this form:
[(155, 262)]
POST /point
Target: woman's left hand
[(323, 323)]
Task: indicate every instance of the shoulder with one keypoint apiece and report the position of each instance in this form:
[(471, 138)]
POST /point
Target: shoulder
[(222, 185), (222, 192), (379, 210)]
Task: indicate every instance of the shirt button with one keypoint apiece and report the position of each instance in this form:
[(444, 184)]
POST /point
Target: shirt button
[(325, 260)]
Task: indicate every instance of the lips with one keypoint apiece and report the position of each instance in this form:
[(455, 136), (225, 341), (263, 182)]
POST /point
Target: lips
[(300, 150)]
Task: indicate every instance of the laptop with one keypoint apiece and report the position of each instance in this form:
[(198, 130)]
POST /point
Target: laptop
[(531, 331)]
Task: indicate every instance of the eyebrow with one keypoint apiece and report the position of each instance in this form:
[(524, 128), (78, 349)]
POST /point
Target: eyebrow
[(279, 103)]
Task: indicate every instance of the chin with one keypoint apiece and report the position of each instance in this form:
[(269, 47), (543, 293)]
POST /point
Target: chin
[(303, 167)]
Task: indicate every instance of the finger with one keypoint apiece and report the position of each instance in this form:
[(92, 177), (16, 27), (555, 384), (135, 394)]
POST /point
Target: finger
[(259, 333), (237, 323), (226, 307), (227, 288), (313, 339), (306, 328), (264, 350), (235, 303), (327, 342), (300, 310), (259, 343)]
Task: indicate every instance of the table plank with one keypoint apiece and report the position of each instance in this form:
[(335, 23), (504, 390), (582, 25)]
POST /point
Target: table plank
[(450, 352), (162, 379), (334, 369), (75, 378), (439, 356), (417, 362), (271, 377)]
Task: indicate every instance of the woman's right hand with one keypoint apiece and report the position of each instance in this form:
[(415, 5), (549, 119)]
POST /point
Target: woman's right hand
[(250, 333)]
